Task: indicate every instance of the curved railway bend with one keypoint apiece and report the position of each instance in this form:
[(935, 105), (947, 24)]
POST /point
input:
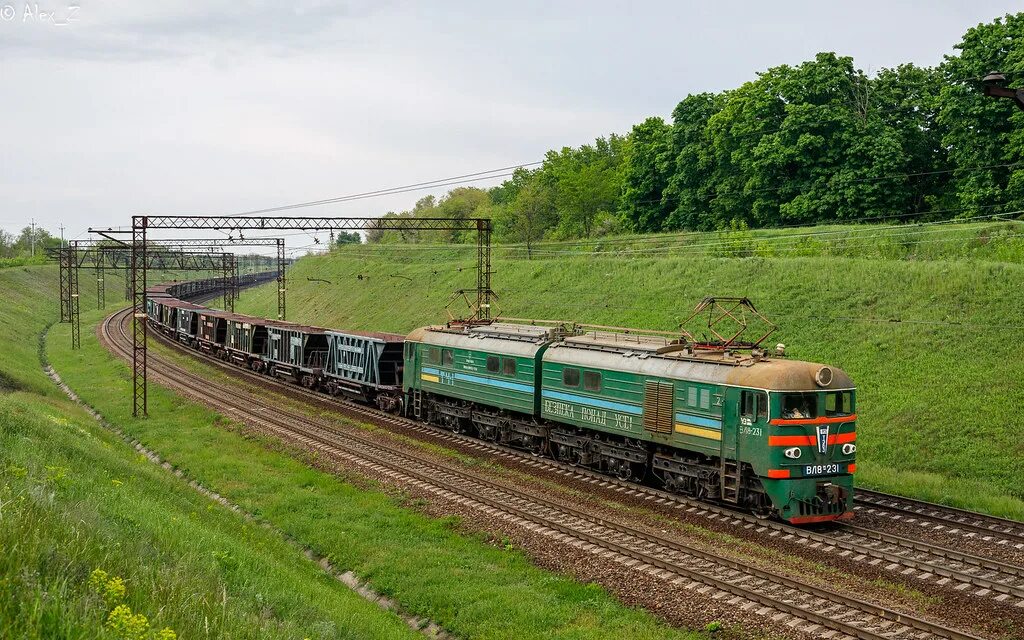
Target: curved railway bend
[(742, 589), (859, 548)]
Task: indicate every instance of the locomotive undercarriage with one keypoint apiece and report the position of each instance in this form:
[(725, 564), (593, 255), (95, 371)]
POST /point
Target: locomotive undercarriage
[(700, 477), (501, 427), (624, 458)]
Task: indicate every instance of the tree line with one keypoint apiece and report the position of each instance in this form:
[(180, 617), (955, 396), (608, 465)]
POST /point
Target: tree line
[(21, 245), (819, 142)]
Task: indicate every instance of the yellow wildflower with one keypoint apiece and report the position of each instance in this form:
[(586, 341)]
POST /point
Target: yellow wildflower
[(111, 589), (126, 625), (114, 591), (98, 580)]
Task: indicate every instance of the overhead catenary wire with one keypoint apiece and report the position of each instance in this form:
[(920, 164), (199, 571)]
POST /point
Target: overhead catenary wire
[(866, 232), (501, 172), (772, 250), (666, 237), (560, 299), (781, 239), (843, 183)]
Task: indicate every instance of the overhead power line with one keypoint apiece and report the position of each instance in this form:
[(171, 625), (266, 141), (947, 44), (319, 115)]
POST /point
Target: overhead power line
[(854, 233), (709, 241), (796, 186), (502, 172)]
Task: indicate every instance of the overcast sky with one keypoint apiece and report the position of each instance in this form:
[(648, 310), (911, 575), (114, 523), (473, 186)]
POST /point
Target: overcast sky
[(189, 107)]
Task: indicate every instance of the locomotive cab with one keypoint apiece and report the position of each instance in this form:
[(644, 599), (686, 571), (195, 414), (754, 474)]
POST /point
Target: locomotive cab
[(811, 454)]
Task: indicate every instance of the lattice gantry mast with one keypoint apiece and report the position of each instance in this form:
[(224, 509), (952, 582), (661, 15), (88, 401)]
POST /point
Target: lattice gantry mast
[(142, 224)]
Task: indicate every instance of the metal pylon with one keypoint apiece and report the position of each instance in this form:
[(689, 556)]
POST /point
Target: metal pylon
[(76, 328), (64, 260), (101, 286), (138, 279), (281, 311)]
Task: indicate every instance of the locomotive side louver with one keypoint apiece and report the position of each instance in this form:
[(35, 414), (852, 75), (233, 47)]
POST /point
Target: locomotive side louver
[(658, 406)]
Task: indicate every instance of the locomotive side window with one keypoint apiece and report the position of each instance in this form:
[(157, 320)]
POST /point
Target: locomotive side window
[(447, 358), (762, 406), (508, 366), (571, 377), (433, 355), (592, 380), (800, 405), (747, 404), (838, 403), (493, 364)]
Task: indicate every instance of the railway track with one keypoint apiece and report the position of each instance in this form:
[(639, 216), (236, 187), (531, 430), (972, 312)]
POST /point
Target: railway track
[(929, 563), (941, 518), (806, 608), (949, 522)]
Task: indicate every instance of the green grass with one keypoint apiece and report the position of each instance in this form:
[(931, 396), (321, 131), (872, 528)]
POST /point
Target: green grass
[(74, 498), (993, 240), (931, 343), (30, 302), (471, 588), (23, 261)]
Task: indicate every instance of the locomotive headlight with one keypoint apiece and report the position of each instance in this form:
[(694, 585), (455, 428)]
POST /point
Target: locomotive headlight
[(849, 448), (793, 452)]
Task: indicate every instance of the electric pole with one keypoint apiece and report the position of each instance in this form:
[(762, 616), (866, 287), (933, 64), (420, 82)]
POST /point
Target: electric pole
[(32, 237), (62, 236)]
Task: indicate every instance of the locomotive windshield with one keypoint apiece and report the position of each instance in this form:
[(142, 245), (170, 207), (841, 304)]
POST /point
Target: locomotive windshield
[(800, 405), (838, 403)]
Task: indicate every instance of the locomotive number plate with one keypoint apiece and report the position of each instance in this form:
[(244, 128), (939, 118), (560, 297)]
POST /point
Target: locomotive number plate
[(820, 469)]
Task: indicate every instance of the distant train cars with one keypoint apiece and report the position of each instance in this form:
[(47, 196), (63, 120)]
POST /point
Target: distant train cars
[(361, 365), (774, 436)]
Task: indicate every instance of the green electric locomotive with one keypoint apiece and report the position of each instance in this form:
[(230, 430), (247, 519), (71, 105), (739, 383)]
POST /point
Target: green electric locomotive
[(775, 436)]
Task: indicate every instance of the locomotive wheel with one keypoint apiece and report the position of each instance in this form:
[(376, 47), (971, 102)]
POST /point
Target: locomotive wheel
[(575, 457), (763, 512), (624, 471)]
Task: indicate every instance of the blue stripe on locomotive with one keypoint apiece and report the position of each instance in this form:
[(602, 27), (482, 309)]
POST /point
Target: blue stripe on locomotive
[(465, 377)]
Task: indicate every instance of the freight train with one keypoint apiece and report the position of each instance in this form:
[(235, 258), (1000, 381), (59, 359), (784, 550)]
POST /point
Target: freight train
[(771, 435)]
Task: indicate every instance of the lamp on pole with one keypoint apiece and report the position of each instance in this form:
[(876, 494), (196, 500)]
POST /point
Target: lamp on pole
[(995, 85)]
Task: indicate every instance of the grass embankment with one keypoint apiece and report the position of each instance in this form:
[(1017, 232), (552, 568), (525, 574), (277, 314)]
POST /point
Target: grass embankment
[(75, 499), (998, 241), (471, 588), (930, 343)]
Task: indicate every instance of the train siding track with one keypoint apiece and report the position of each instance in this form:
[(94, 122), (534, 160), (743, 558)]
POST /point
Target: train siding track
[(906, 557), (805, 608), (1000, 531)]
